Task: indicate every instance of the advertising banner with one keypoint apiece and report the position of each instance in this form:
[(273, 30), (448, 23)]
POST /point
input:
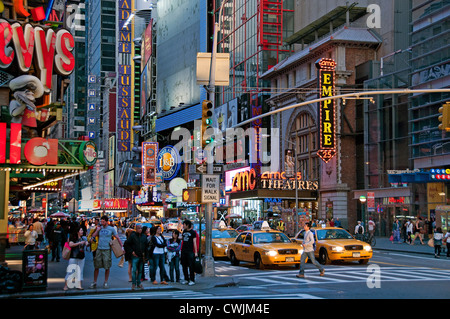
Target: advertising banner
[(149, 155)]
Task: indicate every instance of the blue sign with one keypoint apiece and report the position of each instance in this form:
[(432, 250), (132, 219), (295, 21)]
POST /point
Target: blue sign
[(91, 107), (91, 134), (168, 162)]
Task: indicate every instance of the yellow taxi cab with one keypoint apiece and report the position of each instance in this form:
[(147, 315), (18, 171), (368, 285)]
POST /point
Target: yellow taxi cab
[(149, 223), (264, 247), (221, 238), (337, 244)]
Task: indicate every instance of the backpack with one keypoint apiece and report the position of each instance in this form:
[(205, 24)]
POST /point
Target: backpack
[(360, 229)]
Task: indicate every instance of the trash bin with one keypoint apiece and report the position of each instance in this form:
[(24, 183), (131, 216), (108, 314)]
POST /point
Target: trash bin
[(35, 269)]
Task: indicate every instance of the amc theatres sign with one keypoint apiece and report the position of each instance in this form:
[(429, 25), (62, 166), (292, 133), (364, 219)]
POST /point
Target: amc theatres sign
[(29, 45)]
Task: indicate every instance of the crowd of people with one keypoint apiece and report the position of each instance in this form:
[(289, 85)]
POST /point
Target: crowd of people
[(143, 247)]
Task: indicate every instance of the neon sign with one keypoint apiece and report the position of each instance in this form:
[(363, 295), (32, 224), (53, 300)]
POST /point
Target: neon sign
[(327, 109), (51, 49), (244, 181), (38, 151)]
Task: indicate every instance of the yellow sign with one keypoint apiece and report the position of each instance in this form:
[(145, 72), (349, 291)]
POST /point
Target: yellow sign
[(327, 111)]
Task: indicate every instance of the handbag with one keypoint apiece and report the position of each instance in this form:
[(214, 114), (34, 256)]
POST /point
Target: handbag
[(116, 248), (431, 242), (198, 268), (66, 251)]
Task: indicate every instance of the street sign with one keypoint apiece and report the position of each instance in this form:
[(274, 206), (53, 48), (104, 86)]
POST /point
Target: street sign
[(210, 188), (203, 168)]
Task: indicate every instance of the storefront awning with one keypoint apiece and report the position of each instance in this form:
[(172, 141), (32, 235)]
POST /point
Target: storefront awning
[(384, 192), (268, 193), (443, 208)]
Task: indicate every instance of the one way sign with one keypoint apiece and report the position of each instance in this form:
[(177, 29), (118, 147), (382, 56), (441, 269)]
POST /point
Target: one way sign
[(203, 168)]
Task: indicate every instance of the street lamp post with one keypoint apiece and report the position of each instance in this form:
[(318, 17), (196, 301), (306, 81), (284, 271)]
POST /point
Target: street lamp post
[(208, 261), (295, 185), (363, 200)]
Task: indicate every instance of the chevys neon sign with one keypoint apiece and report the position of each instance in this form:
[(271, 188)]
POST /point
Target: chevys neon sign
[(51, 50), (38, 151), (327, 109)]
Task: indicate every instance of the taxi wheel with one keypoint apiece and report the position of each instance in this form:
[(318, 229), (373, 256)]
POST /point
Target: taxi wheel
[(258, 262), (323, 257), (233, 259)]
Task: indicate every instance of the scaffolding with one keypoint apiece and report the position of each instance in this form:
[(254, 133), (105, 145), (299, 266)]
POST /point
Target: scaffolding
[(252, 32)]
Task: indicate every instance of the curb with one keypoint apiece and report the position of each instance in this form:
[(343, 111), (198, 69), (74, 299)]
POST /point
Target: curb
[(88, 291)]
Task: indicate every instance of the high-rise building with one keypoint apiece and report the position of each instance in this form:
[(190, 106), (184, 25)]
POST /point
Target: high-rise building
[(100, 74), (76, 105)]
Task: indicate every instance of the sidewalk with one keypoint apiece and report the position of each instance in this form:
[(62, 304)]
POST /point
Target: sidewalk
[(118, 280)]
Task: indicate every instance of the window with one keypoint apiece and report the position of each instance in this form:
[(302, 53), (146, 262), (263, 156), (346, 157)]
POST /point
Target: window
[(303, 135)]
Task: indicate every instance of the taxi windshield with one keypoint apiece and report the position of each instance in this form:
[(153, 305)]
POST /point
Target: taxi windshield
[(333, 234), (267, 238), (229, 233)]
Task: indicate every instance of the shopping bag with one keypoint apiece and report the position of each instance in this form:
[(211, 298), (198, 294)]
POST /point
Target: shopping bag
[(198, 268), (116, 248), (121, 261), (431, 242), (66, 251)]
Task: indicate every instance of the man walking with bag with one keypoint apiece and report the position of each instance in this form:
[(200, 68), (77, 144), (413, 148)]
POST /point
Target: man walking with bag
[(103, 259), (308, 252)]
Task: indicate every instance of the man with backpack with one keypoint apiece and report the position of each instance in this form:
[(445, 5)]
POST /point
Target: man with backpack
[(359, 231), (309, 245)]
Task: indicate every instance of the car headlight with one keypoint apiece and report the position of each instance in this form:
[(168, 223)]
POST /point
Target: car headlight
[(218, 245), (337, 248), (271, 253), (367, 248)]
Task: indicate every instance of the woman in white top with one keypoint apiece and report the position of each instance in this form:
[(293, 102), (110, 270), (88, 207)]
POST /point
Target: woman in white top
[(447, 242), (438, 235), (30, 238), (409, 230), (159, 244)]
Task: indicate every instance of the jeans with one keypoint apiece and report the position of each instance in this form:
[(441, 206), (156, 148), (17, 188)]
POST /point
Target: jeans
[(175, 265), (310, 255), (187, 261), (158, 261), (56, 251), (396, 235), (136, 270)]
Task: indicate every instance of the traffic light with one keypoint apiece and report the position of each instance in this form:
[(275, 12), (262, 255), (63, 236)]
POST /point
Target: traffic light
[(192, 195), (207, 112), (445, 117)]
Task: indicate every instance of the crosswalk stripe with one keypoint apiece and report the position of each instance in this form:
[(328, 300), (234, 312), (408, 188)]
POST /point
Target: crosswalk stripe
[(341, 275)]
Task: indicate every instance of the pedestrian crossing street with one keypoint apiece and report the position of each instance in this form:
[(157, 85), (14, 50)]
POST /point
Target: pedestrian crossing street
[(335, 275)]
